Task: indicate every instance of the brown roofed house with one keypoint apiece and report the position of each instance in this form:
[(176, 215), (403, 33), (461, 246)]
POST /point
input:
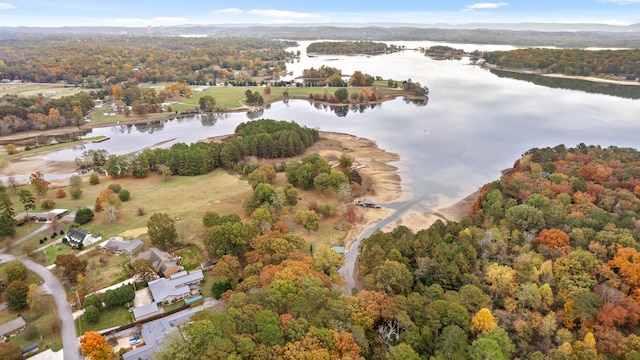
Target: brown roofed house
[(162, 261)]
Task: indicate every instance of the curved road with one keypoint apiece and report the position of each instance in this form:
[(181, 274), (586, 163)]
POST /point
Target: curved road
[(70, 341), (347, 270)]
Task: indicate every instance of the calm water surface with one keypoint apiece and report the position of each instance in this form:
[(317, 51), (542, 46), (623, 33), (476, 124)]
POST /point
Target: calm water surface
[(475, 124)]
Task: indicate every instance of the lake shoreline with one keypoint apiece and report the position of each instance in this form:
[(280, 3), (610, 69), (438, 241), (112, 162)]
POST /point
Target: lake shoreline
[(25, 136), (375, 163), (563, 76)]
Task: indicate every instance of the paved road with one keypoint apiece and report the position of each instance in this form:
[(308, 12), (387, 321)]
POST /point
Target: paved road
[(70, 341), (351, 256), (40, 229)]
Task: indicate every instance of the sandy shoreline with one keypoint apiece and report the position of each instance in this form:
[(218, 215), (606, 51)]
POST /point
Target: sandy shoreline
[(376, 163)]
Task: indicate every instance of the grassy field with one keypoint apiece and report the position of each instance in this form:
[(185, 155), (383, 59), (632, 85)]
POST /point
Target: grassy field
[(54, 91), (186, 198)]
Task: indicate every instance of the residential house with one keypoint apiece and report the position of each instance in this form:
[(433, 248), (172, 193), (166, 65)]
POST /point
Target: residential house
[(116, 245), (163, 262), (12, 327), (75, 237), (178, 286), (21, 218)]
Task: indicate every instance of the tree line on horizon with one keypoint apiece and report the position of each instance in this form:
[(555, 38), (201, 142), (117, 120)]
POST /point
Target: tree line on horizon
[(622, 63)]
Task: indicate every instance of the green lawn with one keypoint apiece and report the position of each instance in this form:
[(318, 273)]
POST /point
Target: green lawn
[(53, 251), (191, 257), (109, 318), (176, 305)]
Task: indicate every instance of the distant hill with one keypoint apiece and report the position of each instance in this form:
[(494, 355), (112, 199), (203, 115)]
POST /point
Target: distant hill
[(518, 34)]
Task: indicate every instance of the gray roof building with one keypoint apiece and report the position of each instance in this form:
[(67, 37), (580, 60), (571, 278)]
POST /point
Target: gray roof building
[(154, 334), (76, 237), (12, 327), (145, 311), (178, 286), (120, 246), (161, 261)]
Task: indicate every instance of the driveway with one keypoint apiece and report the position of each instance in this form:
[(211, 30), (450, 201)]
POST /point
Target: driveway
[(70, 341)]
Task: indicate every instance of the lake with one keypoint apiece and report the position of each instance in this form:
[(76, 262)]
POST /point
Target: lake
[(475, 124)]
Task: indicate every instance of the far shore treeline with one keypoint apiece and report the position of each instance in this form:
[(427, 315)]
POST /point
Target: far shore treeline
[(622, 63), (262, 138)]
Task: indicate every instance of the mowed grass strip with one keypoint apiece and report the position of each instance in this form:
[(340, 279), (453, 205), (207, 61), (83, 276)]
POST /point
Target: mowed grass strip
[(54, 91), (109, 318)]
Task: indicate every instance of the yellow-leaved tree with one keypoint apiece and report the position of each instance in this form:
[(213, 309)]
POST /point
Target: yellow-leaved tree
[(483, 321)]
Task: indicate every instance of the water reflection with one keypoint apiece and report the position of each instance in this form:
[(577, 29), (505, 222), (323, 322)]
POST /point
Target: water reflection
[(208, 120), (623, 91), (475, 125)]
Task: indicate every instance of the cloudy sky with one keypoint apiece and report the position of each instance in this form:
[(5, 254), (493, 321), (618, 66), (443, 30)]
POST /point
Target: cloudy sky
[(162, 12)]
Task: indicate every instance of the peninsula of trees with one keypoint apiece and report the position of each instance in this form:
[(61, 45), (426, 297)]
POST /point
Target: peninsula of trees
[(619, 63)]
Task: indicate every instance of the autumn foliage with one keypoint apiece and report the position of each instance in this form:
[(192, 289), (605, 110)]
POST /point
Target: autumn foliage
[(553, 238), (95, 347)]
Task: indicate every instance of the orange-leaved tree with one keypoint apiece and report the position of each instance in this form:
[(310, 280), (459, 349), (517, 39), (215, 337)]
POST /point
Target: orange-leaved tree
[(627, 261), (95, 346), (553, 238), (117, 92)]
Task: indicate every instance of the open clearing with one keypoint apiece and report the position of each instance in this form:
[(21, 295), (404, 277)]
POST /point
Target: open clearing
[(54, 91)]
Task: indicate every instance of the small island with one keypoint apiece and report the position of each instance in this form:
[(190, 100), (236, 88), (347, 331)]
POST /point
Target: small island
[(351, 48)]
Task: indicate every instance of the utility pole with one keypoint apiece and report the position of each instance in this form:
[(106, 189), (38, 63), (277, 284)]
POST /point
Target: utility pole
[(79, 322)]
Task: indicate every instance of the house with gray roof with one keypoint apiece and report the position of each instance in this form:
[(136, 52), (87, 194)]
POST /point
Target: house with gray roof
[(178, 286), (12, 327), (162, 261), (154, 334), (116, 245), (76, 236)]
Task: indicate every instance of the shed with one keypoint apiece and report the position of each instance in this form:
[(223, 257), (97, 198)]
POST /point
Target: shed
[(30, 348), (192, 301)]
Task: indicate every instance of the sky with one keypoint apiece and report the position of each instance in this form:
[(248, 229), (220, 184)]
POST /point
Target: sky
[(134, 13)]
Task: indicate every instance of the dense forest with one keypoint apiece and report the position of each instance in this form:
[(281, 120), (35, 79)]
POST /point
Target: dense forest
[(625, 63), (19, 113), (262, 138), (545, 266), (350, 48), (95, 60)]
